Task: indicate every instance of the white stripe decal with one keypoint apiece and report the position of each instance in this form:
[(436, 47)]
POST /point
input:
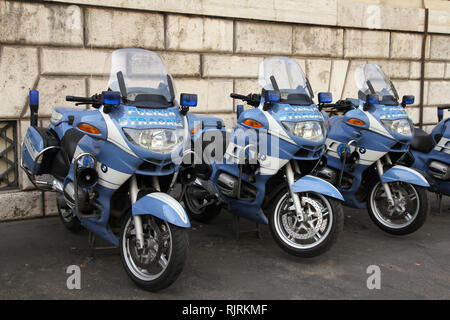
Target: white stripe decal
[(174, 204), (412, 171), (367, 158), (112, 176), (276, 129), (114, 135), (442, 145), (375, 125)]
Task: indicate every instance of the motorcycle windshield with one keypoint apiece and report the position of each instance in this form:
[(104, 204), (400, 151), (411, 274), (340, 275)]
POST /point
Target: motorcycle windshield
[(285, 75), (370, 79), (145, 83)]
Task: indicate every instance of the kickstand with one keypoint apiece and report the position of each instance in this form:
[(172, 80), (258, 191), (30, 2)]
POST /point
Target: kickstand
[(439, 196), (237, 229), (91, 240), (93, 248)]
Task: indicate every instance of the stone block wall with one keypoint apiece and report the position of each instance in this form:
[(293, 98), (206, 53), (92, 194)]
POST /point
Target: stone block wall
[(212, 48)]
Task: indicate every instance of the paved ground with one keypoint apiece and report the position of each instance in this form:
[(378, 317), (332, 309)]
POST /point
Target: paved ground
[(34, 255)]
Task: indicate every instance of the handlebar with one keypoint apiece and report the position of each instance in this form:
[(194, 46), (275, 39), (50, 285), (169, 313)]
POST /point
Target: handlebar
[(79, 99), (252, 99), (95, 100), (238, 96)]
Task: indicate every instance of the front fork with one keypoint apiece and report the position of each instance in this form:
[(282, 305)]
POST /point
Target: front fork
[(297, 204), (136, 218), (386, 187)]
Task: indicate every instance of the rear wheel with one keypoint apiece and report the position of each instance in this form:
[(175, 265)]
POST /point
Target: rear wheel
[(311, 234), (408, 213), (196, 200), (67, 217), (159, 263)]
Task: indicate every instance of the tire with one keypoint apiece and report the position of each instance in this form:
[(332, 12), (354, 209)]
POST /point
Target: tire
[(330, 231), (205, 214), (68, 219), (177, 252), (395, 226)]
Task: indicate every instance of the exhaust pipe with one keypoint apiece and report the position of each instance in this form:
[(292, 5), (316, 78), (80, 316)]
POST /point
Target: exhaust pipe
[(34, 107)]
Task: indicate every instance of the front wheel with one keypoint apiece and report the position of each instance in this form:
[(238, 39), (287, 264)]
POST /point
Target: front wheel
[(408, 213), (308, 234), (159, 263)]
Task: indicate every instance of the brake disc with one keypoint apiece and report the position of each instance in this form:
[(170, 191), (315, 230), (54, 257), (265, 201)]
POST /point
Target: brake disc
[(289, 222), (150, 254)]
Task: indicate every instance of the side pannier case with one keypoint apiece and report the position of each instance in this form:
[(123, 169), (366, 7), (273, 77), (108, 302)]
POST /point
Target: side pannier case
[(35, 142)]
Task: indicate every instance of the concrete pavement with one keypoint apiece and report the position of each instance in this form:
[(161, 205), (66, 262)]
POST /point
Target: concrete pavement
[(34, 255)]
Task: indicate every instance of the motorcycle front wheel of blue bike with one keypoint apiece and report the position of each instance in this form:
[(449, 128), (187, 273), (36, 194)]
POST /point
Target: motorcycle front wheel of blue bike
[(409, 212), (310, 234), (160, 262)]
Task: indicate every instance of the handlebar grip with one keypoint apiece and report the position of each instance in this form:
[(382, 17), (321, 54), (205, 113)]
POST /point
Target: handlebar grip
[(78, 99), (238, 96)]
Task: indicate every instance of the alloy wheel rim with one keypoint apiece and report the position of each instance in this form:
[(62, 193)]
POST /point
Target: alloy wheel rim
[(404, 211), (139, 272), (308, 234)]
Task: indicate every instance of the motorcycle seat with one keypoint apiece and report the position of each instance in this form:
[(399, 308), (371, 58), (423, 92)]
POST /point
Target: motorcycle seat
[(422, 141), (62, 160)]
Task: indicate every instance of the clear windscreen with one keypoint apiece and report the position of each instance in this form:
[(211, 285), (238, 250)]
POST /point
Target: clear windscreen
[(370, 79), (145, 79), (287, 75)]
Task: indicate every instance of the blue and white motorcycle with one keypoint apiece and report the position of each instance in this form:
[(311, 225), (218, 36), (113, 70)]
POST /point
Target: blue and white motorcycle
[(261, 171), (430, 154), (367, 136), (112, 165)]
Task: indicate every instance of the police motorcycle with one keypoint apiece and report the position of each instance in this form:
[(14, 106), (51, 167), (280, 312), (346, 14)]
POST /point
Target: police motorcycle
[(430, 154), (111, 165), (260, 171), (367, 137)]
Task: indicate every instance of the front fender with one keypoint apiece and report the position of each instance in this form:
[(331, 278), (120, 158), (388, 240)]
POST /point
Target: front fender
[(162, 206), (314, 184), (401, 173)]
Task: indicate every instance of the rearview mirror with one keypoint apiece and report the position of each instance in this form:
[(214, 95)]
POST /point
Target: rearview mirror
[(440, 112), (407, 100), (188, 100), (325, 97)]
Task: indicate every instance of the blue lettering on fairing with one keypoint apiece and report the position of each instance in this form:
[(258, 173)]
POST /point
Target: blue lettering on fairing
[(393, 113), (300, 113), (137, 116)]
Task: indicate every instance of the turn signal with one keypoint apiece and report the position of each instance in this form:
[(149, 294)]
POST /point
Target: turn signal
[(195, 130), (252, 123), (88, 128), (356, 122)]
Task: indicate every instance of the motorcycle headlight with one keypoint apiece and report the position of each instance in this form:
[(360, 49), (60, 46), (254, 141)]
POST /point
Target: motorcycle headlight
[(400, 126), (310, 130), (156, 140)]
